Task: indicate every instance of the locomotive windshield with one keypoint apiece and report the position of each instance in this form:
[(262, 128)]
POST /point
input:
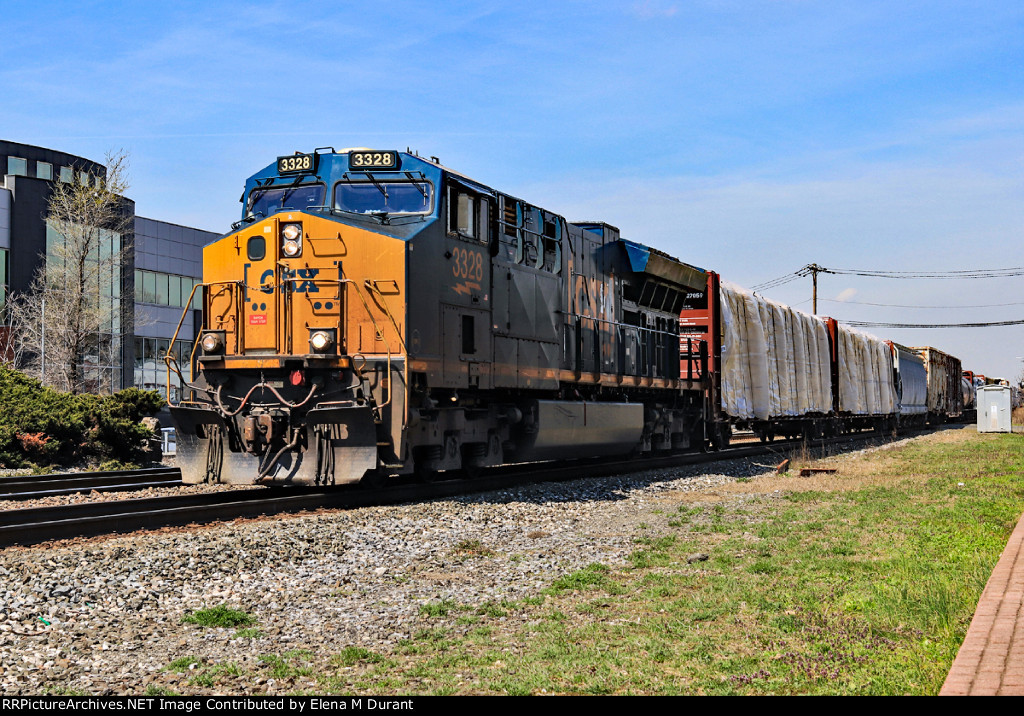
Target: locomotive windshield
[(271, 200), (390, 197)]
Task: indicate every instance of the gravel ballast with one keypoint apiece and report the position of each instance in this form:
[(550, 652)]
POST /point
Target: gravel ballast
[(104, 616)]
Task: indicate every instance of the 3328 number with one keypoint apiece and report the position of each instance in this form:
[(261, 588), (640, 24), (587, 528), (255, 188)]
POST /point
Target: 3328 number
[(383, 160), (297, 163), (468, 264)]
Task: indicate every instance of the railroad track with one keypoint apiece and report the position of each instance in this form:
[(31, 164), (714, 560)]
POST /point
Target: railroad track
[(32, 487), (35, 525)]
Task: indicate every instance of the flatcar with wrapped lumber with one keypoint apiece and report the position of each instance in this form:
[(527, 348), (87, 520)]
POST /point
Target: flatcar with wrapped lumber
[(375, 314), (781, 372)]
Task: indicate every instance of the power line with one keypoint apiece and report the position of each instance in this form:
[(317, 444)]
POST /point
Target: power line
[(814, 269), (943, 275), (903, 305), (882, 324), (776, 282)]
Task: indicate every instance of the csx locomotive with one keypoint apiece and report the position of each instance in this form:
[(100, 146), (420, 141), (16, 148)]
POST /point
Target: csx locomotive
[(374, 313)]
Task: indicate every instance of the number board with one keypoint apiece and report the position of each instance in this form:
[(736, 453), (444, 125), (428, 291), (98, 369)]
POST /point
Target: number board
[(373, 160), (297, 163)]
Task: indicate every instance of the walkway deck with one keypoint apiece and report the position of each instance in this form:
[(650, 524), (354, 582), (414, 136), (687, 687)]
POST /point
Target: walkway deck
[(991, 659)]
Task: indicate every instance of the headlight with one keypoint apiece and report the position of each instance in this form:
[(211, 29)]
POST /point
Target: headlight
[(320, 339), (291, 240), (213, 343)]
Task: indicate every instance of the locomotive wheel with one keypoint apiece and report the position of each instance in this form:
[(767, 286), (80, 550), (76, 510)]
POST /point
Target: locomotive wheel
[(471, 472), (425, 463), (374, 479), (426, 473), (473, 457)]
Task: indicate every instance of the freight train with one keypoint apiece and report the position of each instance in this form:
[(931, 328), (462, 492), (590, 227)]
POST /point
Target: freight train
[(375, 314)]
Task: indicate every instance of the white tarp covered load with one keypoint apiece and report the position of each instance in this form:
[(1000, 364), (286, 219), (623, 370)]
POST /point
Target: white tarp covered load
[(775, 360), (865, 374), (914, 379)]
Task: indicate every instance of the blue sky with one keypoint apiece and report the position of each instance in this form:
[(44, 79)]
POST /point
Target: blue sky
[(748, 137)]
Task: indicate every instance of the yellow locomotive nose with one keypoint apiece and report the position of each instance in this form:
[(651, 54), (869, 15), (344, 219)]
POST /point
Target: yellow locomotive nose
[(303, 360)]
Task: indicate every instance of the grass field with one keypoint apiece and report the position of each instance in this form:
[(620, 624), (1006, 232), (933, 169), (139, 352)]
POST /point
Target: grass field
[(859, 582)]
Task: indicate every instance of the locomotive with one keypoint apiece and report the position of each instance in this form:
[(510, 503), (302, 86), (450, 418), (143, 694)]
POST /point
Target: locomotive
[(375, 313)]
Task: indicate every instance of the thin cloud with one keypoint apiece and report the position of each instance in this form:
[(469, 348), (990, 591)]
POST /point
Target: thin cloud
[(653, 9)]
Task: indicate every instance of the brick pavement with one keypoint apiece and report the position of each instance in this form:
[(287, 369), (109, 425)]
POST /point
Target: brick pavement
[(991, 659)]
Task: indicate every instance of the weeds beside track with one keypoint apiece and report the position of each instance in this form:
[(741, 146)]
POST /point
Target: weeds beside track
[(862, 582)]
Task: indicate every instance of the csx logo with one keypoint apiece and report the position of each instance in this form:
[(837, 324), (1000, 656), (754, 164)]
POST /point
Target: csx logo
[(307, 285)]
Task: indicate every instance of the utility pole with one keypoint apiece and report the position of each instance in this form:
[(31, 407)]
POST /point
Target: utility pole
[(813, 270)]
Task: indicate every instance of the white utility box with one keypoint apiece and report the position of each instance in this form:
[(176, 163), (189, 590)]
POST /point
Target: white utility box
[(994, 409)]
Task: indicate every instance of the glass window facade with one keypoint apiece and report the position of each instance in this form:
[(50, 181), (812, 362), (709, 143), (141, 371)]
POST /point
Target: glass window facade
[(150, 369), (67, 175), (101, 363), (44, 170), (17, 166), (163, 289)]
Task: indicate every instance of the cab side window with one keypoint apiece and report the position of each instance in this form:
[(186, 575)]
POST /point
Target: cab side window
[(467, 214)]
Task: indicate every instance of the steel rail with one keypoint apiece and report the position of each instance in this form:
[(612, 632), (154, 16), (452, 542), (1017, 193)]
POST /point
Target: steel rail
[(30, 487), (35, 525)]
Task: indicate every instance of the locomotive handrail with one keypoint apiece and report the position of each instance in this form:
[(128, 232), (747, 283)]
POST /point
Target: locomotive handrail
[(623, 325), (372, 286), (520, 248), (380, 333), (701, 356), (387, 311), (168, 359), (524, 229), (284, 343), (678, 336), (643, 330), (195, 343)]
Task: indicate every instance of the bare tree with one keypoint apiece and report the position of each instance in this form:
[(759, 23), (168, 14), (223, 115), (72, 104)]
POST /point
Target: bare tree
[(13, 345), (68, 323)]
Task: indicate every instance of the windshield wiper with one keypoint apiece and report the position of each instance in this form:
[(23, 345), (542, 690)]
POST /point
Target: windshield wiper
[(380, 216), (383, 189), (248, 219), (417, 185)]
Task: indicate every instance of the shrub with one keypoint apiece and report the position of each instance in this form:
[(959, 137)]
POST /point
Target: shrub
[(43, 426), (119, 432)]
